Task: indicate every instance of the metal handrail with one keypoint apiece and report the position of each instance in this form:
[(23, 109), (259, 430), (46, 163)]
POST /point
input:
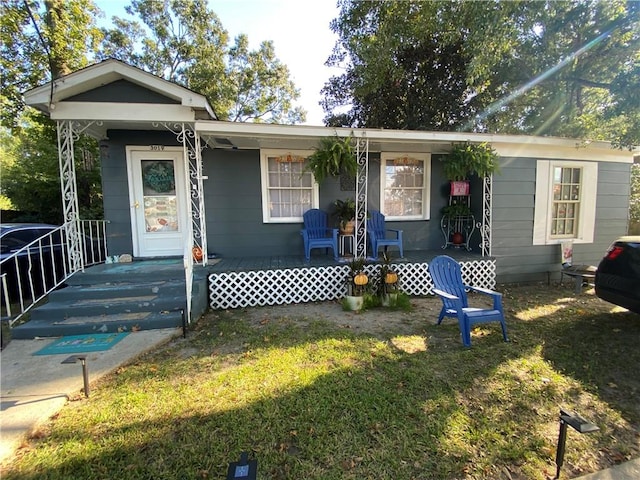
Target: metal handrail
[(46, 263)]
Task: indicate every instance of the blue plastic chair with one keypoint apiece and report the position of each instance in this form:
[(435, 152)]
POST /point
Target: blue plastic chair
[(447, 278), (378, 234), (316, 233)]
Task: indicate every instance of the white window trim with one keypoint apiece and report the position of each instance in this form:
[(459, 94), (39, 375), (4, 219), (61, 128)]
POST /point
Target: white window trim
[(264, 182), (544, 201), (426, 197)]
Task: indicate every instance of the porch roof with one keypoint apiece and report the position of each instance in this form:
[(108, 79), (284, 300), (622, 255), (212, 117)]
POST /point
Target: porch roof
[(58, 99), (239, 136)]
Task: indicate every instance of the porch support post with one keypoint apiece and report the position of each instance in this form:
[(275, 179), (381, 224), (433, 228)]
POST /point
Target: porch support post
[(486, 225), (193, 154), (362, 157), (196, 234), (68, 132)]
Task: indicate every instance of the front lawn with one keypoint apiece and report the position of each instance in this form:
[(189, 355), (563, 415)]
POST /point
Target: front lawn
[(313, 392)]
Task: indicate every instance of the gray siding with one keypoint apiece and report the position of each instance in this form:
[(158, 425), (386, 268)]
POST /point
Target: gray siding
[(233, 203), (518, 260), (115, 186), (121, 91)]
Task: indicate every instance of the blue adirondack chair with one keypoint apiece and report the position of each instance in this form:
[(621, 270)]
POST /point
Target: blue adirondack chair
[(316, 233), (378, 234), (447, 278)]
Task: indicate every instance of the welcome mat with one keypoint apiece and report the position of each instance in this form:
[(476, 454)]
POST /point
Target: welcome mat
[(94, 342)]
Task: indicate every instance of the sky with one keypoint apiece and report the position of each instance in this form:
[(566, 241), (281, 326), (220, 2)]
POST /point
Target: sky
[(299, 30)]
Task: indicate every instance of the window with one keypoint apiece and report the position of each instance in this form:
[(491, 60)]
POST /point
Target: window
[(404, 180), (565, 202), (287, 191)]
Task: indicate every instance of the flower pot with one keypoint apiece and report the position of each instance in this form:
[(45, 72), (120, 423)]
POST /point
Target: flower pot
[(348, 228), (354, 303), (459, 188), (457, 238), (390, 299)]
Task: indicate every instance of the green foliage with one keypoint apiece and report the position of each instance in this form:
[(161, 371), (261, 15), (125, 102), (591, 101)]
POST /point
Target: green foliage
[(634, 201), (332, 157), (550, 67), (356, 267), (180, 40), (315, 399), (456, 210), (344, 211), (185, 42), (467, 159), (31, 176), (69, 29)]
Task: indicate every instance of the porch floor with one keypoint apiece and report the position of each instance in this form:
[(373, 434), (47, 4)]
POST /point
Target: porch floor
[(239, 264)]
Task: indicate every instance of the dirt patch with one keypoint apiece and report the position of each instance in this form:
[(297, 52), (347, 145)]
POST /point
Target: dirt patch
[(376, 321)]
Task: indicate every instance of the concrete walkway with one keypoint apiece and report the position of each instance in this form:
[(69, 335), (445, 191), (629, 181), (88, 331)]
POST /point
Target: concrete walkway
[(625, 471), (35, 387)]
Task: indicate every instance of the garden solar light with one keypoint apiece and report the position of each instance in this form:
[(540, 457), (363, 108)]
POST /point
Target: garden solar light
[(243, 469), (576, 422), (85, 369)]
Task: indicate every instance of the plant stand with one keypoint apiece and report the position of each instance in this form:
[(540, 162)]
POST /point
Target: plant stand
[(345, 240), (458, 229)]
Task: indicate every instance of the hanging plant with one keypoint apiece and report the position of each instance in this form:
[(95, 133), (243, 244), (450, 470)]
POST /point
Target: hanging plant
[(466, 159), (332, 157), (159, 177)]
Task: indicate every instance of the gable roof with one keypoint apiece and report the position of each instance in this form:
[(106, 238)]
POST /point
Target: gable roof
[(53, 97)]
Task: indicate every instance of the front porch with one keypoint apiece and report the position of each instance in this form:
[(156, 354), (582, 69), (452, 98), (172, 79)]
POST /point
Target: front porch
[(237, 282), (150, 294)]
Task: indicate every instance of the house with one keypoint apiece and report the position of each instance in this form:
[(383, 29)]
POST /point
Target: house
[(174, 177)]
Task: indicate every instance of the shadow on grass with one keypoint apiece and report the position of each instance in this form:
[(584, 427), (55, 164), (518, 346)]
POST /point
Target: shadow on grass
[(602, 352), (355, 407)]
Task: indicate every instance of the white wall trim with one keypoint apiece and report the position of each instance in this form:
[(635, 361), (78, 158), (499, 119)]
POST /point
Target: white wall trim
[(264, 181), (426, 197), (544, 200), (125, 112)]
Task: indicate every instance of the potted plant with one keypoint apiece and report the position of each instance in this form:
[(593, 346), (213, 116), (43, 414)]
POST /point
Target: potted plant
[(345, 212), (388, 283), (332, 157), (456, 210), (356, 285), (466, 159), (456, 216)]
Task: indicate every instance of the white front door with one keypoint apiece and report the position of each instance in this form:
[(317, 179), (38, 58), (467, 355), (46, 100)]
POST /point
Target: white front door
[(157, 194)]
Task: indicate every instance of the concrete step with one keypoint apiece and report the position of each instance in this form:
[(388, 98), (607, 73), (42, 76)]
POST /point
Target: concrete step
[(117, 297), (87, 307), (119, 289), (80, 325), (129, 273)]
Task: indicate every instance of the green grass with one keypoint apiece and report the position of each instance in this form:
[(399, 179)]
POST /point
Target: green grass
[(313, 399)]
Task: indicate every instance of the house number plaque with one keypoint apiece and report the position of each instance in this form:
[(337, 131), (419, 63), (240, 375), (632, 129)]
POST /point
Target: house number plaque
[(156, 148)]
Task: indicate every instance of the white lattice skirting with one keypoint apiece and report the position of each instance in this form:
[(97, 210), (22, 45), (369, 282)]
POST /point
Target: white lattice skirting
[(314, 284)]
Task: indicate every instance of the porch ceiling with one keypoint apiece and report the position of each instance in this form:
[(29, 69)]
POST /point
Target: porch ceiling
[(252, 142)]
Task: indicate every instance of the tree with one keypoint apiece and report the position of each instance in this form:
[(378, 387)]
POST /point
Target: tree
[(551, 68), (634, 204), (40, 42), (30, 174), (181, 41), (36, 44), (184, 42)]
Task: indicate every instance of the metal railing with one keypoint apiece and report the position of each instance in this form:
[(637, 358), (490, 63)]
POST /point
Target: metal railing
[(29, 274)]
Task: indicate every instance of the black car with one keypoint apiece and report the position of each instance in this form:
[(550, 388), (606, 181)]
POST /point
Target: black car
[(43, 259), (618, 275)]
